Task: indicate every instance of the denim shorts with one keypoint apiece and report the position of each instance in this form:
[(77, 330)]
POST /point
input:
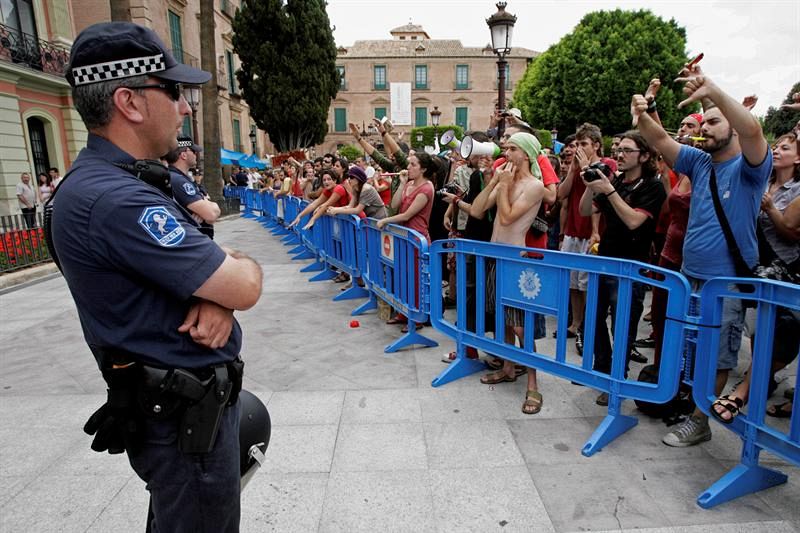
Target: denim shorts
[(578, 279), (731, 327)]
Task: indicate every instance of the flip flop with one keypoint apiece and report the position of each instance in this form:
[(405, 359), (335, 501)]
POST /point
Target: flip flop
[(497, 377), (420, 325), (779, 411), (533, 402), (397, 319), (732, 404)]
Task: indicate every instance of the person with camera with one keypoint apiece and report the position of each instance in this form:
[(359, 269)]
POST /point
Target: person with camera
[(630, 204), (734, 157), (154, 295)]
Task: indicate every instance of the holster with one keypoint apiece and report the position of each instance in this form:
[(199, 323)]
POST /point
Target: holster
[(200, 421)]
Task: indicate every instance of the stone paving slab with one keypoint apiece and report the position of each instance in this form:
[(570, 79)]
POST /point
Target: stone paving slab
[(360, 440)]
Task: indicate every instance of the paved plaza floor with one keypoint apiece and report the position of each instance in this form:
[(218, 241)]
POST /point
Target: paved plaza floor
[(360, 439)]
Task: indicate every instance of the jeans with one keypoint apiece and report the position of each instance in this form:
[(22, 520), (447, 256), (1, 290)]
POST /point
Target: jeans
[(607, 294)]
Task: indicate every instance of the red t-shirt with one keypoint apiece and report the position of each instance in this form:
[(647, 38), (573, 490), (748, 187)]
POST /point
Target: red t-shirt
[(419, 222), (344, 198), (386, 194)]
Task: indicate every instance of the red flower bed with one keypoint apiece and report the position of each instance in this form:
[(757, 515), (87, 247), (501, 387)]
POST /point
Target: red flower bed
[(20, 248)]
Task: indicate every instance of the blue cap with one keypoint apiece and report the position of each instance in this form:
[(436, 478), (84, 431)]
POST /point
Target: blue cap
[(114, 50)]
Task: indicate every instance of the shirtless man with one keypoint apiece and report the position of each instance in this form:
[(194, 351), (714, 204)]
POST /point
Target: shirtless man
[(517, 191)]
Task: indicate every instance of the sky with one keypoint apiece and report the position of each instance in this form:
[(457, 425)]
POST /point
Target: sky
[(750, 47)]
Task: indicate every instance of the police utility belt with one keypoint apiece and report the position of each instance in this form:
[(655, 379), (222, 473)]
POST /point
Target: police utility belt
[(194, 398)]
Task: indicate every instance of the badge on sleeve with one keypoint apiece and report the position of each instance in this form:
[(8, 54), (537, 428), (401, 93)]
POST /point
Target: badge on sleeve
[(162, 226), (189, 189)]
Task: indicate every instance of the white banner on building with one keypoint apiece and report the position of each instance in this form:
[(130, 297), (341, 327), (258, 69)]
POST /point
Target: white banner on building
[(401, 103)]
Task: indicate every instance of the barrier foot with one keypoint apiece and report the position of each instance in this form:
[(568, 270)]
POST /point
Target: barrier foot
[(324, 275), (460, 368), (268, 223), (291, 239), (352, 293), (412, 337), (248, 214), (305, 254), (300, 248), (313, 267), (280, 230), (262, 219), (739, 481), (609, 429), (369, 305)]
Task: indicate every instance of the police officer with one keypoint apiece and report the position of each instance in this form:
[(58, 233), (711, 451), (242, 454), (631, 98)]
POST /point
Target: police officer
[(155, 296), (185, 191)]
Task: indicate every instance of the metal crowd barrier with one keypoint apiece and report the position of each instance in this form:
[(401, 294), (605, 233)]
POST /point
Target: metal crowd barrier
[(250, 196), (397, 272), (748, 476), (540, 284), (338, 241)]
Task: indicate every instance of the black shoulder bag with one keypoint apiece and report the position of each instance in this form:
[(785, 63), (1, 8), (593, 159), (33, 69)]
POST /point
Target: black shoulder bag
[(739, 264)]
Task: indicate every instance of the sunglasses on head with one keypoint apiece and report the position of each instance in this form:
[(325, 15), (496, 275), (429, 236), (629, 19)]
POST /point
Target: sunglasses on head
[(174, 89)]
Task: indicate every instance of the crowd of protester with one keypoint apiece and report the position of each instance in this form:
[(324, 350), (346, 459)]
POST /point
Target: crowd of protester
[(649, 199)]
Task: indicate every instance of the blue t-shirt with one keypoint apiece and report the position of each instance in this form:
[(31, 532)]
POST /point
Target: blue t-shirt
[(132, 262), (705, 250)]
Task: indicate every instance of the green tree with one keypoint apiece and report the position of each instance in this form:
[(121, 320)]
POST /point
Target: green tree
[(781, 120), (591, 73), (288, 68), (351, 152)]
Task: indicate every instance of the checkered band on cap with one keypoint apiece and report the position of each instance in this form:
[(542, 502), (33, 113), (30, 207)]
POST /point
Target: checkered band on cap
[(124, 68), (185, 144)]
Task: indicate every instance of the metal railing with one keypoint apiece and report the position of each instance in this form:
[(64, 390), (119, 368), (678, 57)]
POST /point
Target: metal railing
[(22, 242), (25, 49)]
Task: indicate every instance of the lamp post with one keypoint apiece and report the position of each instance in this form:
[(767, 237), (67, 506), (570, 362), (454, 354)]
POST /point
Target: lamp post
[(501, 24), (420, 136), (554, 134), (435, 116), (253, 138), (192, 95)]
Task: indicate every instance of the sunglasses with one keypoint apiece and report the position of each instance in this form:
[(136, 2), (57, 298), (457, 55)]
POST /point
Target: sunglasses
[(174, 89)]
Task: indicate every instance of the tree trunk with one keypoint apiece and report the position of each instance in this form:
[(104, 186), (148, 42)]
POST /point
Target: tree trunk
[(212, 170), (120, 10)]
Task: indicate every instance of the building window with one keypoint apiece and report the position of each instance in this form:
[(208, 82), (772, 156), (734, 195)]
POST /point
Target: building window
[(380, 112), (462, 118), (379, 79), (237, 136), (508, 78), (232, 85), (462, 76), (342, 83), (21, 45), (38, 140), (421, 77), (339, 119), (175, 35), (186, 127), (420, 117)]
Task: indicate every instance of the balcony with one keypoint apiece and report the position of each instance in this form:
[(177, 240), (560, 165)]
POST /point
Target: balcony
[(26, 50)]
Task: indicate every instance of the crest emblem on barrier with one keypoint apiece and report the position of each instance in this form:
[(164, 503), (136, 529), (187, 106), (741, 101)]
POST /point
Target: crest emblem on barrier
[(336, 229), (529, 284)]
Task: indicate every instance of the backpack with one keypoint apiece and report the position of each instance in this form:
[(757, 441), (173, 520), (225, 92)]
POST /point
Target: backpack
[(672, 412)]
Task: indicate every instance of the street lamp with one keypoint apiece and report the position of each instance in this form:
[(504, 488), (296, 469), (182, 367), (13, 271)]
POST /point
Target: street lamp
[(253, 138), (501, 24), (435, 116), (554, 134), (192, 95), (420, 136)]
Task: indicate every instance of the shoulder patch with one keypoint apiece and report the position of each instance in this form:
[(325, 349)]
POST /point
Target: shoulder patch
[(160, 224), (189, 189)]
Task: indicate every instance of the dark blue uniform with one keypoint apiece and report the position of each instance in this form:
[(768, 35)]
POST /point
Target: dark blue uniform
[(132, 261), (186, 192)]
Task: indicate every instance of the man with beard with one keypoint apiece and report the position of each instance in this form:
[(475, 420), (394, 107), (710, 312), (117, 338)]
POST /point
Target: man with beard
[(735, 151)]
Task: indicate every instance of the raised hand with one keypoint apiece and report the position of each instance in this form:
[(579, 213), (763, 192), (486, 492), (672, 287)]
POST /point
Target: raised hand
[(638, 108), (750, 101), (652, 90), (697, 86), (795, 105), (354, 131)]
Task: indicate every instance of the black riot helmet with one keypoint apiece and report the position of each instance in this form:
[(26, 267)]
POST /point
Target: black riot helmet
[(255, 428)]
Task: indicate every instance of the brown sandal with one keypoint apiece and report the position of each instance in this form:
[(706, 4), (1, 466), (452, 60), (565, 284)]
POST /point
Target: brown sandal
[(730, 404), (533, 402), (497, 377)]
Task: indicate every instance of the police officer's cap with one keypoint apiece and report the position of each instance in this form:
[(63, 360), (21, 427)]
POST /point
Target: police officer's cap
[(114, 50), (184, 141)]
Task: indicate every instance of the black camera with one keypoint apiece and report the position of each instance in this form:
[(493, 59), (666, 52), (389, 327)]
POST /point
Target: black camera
[(451, 188), (596, 171)]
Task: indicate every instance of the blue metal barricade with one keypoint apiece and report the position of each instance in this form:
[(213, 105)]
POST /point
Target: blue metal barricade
[(249, 203), (397, 271), (338, 242), (748, 476), (540, 284)]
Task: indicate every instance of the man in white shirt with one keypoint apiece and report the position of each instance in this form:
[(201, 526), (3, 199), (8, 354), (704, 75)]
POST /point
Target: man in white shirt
[(26, 196)]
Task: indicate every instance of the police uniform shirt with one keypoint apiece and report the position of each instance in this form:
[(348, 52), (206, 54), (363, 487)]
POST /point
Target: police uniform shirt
[(132, 261), (186, 192), (646, 195)]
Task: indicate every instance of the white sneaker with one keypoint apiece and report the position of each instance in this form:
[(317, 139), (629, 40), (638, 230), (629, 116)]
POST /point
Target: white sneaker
[(691, 431), (449, 357)]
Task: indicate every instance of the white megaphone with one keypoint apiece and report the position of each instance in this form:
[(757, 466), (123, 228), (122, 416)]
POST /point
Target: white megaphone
[(470, 147), (449, 139)]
